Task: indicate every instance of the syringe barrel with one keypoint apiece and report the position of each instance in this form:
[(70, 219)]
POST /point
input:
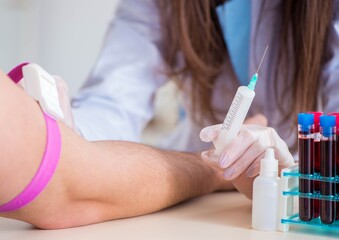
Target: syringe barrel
[(234, 118)]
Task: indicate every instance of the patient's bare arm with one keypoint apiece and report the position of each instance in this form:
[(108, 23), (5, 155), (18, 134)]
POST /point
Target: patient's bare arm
[(93, 182)]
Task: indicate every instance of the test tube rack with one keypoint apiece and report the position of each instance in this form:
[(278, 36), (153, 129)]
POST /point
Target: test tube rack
[(290, 191)]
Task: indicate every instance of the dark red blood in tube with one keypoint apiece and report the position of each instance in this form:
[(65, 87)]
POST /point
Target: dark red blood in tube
[(327, 167), (327, 208), (306, 153), (316, 160), (305, 186), (336, 114)]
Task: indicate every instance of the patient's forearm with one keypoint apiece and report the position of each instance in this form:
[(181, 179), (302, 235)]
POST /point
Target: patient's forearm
[(94, 181), (149, 179)]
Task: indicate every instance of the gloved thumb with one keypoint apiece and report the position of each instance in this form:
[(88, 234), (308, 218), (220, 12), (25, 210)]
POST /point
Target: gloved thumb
[(210, 133)]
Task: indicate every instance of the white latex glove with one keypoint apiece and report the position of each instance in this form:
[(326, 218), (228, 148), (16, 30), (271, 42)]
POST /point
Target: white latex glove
[(240, 160), (64, 101)]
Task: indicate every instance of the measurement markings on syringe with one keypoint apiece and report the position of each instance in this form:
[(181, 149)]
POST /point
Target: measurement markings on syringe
[(232, 112)]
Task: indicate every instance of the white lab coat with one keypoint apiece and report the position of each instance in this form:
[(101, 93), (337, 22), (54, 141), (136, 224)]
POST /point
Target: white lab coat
[(117, 101)]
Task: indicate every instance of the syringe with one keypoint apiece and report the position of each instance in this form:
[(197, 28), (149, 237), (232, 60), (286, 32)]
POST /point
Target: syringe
[(237, 112)]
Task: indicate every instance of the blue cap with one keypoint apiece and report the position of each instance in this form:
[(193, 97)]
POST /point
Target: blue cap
[(327, 123), (305, 120)]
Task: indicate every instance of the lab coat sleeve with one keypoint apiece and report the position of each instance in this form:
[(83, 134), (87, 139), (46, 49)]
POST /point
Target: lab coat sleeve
[(330, 73), (116, 102)]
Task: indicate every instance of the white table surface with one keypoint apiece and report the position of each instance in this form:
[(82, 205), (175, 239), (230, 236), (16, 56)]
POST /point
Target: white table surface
[(216, 216)]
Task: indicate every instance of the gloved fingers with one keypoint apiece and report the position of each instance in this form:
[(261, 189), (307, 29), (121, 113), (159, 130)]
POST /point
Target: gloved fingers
[(257, 119), (254, 153), (269, 138), (240, 145), (254, 168), (283, 155), (281, 151), (210, 133), (285, 159), (64, 101), (235, 149), (252, 141), (262, 138)]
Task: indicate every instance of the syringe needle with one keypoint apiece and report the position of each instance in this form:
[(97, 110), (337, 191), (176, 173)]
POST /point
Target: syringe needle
[(262, 59)]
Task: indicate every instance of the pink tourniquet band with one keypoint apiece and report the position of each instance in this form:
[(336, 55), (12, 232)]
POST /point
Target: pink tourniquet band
[(48, 164), (16, 73), (45, 172)]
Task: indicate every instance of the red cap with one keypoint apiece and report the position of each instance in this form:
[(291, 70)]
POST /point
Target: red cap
[(336, 114), (316, 120)]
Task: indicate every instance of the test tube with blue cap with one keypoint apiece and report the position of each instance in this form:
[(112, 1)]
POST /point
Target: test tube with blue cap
[(306, 154), (237, 112), (327, 167)]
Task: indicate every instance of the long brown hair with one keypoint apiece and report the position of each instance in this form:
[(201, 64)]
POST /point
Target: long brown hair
[(191, 28), (307, 23)]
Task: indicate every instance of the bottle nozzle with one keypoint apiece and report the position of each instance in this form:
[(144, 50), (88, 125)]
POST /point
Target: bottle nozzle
[(269, 154), (269, 164)]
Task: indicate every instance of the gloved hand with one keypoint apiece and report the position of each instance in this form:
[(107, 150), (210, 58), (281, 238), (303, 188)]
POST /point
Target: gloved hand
[(241, 159), (64, 101)]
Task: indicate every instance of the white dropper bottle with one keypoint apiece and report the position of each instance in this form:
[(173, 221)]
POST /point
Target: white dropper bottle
[(266, 187)]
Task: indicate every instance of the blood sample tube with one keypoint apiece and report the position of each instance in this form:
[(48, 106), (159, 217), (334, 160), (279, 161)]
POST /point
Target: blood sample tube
[(327, 167), (305, 146), (336, 114), (316, 160)]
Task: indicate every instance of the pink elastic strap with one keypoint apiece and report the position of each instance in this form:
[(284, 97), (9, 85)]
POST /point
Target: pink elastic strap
[(46, 169), (45, 172), (16, 73)]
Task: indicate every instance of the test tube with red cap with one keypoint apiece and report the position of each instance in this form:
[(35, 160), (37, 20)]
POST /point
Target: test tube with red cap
[(316, 160), (336, 114)]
